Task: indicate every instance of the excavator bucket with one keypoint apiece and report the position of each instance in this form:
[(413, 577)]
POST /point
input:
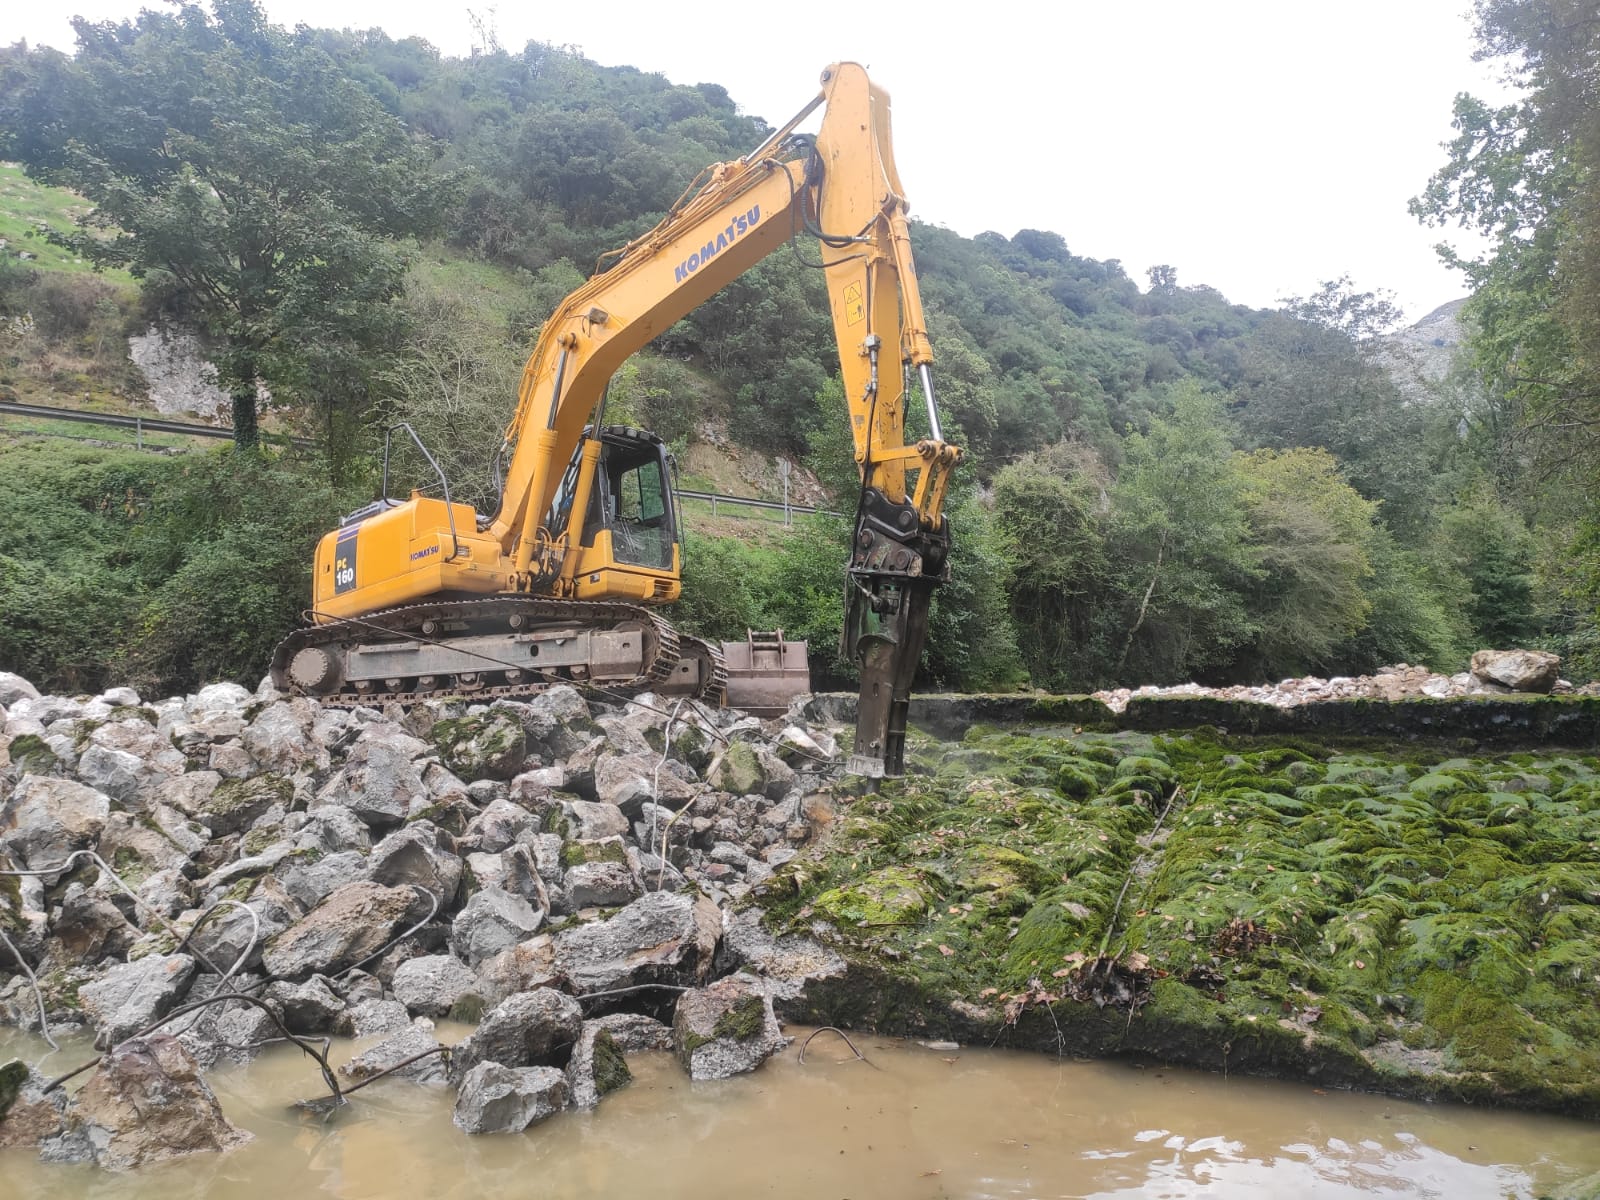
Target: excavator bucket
[(765, 672)]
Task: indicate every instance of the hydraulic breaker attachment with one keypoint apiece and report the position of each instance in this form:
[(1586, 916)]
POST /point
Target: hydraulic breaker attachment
[(895, 563)]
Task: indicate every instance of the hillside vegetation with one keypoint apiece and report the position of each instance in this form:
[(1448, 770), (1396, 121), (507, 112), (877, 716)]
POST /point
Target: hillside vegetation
[(1160, 485)]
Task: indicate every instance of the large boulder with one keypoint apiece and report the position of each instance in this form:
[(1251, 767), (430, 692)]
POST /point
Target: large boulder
[(499, 1099), (663, 937), (431, 985), (408, 1043), (1519, 670), (281, 738), (132, 996), (557, 721), (146, 1102), (492, 920), (235, 804), (380, 781), (351, 924), (490, 746), (15, 687), (46, 819), (725, 1029), (419, 854), (536, 1028)]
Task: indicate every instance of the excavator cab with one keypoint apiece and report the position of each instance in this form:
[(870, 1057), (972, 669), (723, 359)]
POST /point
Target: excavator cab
[(632, 499)]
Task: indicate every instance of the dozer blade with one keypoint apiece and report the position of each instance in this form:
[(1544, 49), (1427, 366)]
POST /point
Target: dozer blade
[(765, 672)]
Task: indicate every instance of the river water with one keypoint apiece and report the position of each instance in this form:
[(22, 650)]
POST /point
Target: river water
[(909, 1122)]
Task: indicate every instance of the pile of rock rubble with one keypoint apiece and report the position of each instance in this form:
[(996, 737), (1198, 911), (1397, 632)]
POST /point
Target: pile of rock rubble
[(564, 875), (1492, 672)]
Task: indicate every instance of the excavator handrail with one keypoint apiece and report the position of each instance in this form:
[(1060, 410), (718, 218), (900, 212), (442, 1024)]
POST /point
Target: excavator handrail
[(444, 482)]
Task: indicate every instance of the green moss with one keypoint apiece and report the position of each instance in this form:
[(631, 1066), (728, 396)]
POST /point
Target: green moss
[(33, 755), (692, 1041), (492, 746), (12, 1077), (126, 712), (891, 896), (742, 1021), (127, 863), (610, 1067), (468, 1008), (604, 850)]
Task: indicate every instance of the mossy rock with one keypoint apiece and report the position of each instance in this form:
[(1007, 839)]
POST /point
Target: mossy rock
[(238, 802), (738, 771), (890, 896), (610, 1067), (609, 849), (742, 1021), (491, 746), (32, 755)]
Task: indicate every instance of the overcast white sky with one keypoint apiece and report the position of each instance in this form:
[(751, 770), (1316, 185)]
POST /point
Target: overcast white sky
[(1258, 146)]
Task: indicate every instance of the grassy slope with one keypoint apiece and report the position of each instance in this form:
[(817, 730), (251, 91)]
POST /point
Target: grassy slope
[(25, 206)]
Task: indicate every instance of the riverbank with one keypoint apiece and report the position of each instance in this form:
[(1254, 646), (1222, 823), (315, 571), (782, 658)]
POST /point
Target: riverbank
[(1415, 921), (585, 880)]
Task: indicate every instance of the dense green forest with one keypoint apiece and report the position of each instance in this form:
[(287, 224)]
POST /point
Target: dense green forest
[(1160, 485)]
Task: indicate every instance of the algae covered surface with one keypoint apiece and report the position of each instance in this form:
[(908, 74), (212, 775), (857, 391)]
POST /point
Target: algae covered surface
[(1403, 920)]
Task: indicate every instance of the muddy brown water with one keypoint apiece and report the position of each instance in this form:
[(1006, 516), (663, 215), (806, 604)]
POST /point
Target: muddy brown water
[(912, 1122)]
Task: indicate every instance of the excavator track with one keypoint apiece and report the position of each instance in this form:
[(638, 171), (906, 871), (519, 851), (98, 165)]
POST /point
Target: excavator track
[(431, 624), (713, 669)]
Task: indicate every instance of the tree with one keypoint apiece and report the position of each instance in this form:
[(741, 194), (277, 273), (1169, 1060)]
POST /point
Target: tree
[(1179, 541), (240, 170), (1311, 532)]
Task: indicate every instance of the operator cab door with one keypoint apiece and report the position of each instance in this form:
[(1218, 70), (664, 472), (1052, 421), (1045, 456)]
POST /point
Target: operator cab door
[(629, 527)]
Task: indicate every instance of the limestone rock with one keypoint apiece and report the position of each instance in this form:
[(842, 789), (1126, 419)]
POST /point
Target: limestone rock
[(133, 995), (725, 1029), (416, 1038), (738, 770), (430, 985), (146, 1102), (663, 937), (14, 688), (500, 1099), (498, 827), (373, 1017), (28, 1114), (47, 818), (491, 746), (1519, 670), (596, 1067), (537, 1028), (379, 782), (419, 854), (309, 1007), (603, 883), (309, 876), (525, 967), (352, 923), (235, 804), (492, 921)]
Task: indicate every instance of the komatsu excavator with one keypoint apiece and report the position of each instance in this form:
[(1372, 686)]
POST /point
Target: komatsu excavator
[(563, 581)]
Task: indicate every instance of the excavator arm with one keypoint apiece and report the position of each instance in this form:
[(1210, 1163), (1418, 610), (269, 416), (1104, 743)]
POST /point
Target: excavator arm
[(843, 189)]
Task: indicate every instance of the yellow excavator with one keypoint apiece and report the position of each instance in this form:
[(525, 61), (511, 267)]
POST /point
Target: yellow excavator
[(563, 581)]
